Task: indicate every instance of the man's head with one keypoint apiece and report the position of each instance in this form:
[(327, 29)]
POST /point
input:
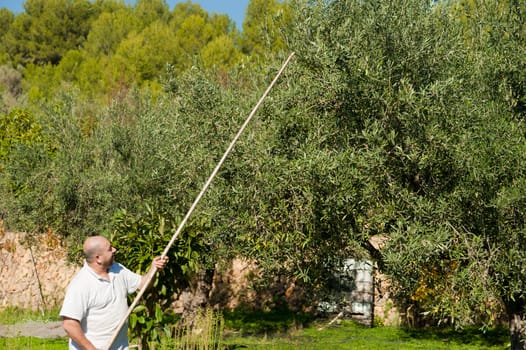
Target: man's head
[(99, 252)]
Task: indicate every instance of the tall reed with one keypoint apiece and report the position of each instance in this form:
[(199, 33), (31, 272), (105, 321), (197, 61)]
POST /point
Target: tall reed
[(204, 333)]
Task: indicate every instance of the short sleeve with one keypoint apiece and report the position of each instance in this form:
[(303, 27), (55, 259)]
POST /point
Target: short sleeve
[(75, 302), (131, 279)]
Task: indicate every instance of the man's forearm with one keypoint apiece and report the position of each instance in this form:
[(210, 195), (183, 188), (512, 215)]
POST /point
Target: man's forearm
[(146, 279), (74, 331)]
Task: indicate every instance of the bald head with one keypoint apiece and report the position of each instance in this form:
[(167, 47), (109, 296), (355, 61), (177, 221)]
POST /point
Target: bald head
[(93, 246)]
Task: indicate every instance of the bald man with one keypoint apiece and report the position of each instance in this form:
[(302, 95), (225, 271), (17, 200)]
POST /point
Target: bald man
[(96, 298)]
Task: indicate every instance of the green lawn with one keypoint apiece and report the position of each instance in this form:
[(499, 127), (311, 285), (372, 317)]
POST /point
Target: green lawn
[(344, 336), (351, 336)]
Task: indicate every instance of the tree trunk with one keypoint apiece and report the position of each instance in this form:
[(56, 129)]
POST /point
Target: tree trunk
[(197, 297), (517, 321)]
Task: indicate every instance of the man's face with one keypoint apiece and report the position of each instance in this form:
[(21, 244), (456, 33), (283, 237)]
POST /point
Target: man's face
[(107, 254)]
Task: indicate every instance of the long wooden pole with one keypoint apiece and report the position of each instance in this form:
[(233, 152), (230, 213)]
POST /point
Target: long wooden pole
[(153, 271)]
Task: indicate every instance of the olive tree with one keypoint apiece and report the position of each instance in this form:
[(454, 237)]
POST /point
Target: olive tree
[(428, 117)]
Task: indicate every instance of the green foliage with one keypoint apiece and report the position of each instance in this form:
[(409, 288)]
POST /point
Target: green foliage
[(265, 27), (24, 151), (422, 114), (47, 30), (110, 47), (220, 52), (290, 192), (134, 54), (150, 11), (496, 31), (108, 30), (18, 127), (6, 18), (184, 10), (138, 151), (191, 35), (138, 240)]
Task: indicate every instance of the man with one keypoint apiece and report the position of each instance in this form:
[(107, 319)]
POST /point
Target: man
[(96, 298)]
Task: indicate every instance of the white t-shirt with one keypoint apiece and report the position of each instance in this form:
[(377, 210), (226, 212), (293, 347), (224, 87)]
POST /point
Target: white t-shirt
[(100, 304)]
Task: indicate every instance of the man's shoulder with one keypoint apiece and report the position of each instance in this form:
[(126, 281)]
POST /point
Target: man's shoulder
[(124, 277), (82, 281), (82, 273), (119, 269)]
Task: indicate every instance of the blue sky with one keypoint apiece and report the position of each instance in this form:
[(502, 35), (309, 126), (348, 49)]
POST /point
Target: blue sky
[(235, 9)]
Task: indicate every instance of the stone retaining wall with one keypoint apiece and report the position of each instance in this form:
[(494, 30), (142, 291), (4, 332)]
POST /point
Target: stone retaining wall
[(33, 276)]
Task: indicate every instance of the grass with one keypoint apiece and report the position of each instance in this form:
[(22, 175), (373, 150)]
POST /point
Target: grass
[(12, 315), (281, 330), (26, 343), (349, 335)]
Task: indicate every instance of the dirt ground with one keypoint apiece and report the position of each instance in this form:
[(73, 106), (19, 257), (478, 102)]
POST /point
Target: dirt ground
[(33, 329)]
